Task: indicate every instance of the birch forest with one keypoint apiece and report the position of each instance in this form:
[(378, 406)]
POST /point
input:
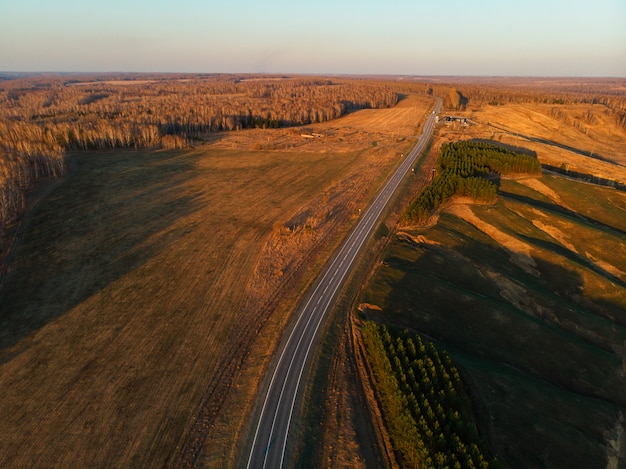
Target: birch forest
[(42, 118)]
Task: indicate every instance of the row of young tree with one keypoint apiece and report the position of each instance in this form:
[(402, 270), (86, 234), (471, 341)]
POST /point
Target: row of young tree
[(426, 409), (470, 158), (465, 169), (41, 118)]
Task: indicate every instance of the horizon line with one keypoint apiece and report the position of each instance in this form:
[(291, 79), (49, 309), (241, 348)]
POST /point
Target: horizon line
[(23, 73)]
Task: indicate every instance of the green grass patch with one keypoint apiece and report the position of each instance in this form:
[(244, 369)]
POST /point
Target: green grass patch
[(604, 205)]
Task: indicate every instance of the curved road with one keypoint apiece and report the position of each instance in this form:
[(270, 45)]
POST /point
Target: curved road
[(272, 431)]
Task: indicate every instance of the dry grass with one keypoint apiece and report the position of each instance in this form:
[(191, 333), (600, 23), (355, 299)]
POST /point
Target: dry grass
[(360, 129), (342, 445), (309, 231), (402, 120), (122, 298), (139, 278), (596, 147)]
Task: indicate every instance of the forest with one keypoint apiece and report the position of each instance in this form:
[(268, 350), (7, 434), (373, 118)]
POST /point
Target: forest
[(458, 93), (465, 169), (429, 415), (42, 118)]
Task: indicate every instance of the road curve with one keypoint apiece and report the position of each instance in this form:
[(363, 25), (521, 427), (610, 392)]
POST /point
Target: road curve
[(272, 430)]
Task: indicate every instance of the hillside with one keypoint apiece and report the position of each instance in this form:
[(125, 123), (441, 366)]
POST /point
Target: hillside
[(525, 110), (529, 298)]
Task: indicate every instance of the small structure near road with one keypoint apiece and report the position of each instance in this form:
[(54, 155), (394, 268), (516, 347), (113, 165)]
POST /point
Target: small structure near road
[(462, 120)]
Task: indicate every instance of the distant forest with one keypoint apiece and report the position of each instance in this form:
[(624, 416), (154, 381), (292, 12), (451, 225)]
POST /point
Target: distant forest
[(41, 118), (44, 116), (611, 93)]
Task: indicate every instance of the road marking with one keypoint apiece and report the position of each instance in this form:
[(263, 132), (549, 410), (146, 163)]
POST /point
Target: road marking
[(357, 238)]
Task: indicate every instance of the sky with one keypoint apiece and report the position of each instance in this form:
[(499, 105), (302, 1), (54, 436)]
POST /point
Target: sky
[(396, 37)]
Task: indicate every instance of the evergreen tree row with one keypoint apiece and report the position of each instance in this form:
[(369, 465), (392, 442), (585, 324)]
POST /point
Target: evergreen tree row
[(426, 409), (467, 158), (465, 169)]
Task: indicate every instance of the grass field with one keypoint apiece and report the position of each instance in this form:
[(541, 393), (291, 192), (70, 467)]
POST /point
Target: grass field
[(125, 287), (141, 276), (581, 137), (529, 297)]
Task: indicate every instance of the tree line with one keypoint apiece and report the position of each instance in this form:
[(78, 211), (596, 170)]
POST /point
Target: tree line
[(426, 409), (465, 169), (456, 95), (41, 118)]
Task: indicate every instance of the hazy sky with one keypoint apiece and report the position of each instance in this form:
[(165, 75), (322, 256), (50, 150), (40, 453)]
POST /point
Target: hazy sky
[(416, 37)]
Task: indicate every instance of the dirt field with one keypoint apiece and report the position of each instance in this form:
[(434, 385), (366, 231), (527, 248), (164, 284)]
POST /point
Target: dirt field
[(148, 290)]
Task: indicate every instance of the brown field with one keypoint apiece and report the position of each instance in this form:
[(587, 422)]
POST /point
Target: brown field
[(148, 289), (360, 129), (582, 137)]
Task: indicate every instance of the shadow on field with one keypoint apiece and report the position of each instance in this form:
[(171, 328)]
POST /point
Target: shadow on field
[(572, 256), (585, 177), (562, 146), (402, 96), (554, 208), (538, 360), (115, 211)]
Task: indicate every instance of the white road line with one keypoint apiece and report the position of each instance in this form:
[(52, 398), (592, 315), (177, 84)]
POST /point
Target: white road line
[(282, 391), (280, 359), (355, 241)]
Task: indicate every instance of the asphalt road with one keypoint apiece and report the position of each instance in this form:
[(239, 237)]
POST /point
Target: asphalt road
[(272, 431)]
